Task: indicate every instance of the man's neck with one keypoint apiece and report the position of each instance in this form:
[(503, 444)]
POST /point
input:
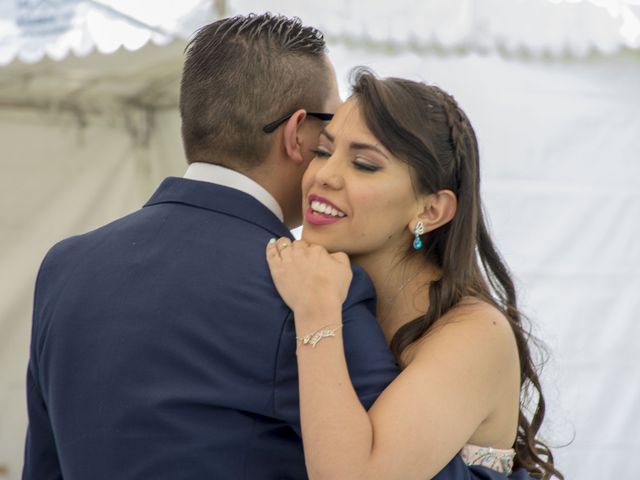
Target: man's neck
[(225, 176), (284, 186)]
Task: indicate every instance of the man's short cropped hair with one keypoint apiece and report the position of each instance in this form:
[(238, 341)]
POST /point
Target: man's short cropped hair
[(241, 73)]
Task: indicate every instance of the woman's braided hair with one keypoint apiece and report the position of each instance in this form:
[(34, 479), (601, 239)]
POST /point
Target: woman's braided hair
[(424, 126)]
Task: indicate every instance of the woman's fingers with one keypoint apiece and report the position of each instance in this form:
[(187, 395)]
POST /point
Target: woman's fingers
[(283, 243), (341, 257), (284, 249), (283, 246), (298, 268), (272, 251), (300, 244), (276, 248)]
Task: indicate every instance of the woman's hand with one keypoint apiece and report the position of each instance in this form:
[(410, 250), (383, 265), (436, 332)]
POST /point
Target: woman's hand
[(307, 276)]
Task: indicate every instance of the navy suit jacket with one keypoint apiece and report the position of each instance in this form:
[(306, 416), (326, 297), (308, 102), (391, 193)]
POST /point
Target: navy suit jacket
[(161, 350)]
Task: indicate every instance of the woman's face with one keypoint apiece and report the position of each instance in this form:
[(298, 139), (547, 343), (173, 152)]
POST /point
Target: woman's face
[(357, 197)]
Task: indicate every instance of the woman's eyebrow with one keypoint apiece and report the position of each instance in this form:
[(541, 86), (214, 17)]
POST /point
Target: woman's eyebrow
[(367, 146), (356, 145)]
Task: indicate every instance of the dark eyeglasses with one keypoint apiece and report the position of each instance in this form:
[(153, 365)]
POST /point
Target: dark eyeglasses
[(273, 125)]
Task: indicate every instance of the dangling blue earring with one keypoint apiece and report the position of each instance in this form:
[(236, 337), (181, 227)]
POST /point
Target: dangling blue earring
[(419, 230)]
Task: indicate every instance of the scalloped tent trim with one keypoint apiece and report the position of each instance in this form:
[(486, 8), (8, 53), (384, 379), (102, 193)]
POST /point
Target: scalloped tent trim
[(537, 28), (32, 32), (55, 29)]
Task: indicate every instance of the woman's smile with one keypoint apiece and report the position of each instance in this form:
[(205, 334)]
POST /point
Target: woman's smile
[(322, 212)]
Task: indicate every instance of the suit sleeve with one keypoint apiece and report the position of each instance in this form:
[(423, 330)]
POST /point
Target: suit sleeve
[(40, 456), (371, 365)]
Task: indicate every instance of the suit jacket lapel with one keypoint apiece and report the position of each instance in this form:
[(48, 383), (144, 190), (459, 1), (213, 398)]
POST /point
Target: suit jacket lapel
[(218, 198)]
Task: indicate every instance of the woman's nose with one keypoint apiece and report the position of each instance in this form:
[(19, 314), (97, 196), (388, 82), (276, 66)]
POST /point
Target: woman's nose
[(329, 175)]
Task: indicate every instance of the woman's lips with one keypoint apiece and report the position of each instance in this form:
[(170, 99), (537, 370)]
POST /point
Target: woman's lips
[(322, 212), (316, 218)]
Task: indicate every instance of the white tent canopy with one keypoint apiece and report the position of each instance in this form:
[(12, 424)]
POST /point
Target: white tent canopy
[(511, 27), (89, 126), (34, 29)]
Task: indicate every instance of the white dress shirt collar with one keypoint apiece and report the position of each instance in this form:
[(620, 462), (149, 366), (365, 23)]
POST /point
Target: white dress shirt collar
[(207, 172)]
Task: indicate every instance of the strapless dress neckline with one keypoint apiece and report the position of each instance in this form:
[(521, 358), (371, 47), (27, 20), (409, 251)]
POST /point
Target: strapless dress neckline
[(500, 460)]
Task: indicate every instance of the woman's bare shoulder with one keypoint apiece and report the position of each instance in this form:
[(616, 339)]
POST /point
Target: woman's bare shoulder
[(474, 326), (478, 317)]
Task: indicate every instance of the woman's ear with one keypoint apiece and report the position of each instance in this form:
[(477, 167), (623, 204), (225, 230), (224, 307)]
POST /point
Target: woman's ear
[(437, 209), (291, 136)]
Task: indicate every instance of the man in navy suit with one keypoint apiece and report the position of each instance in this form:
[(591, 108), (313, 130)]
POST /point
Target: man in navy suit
[(160, 347)]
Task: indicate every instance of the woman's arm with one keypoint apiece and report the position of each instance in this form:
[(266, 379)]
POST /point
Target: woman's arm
[(422, 419)]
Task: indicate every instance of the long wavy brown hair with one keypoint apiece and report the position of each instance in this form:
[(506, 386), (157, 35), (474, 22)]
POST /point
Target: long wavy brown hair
[(423, 126)]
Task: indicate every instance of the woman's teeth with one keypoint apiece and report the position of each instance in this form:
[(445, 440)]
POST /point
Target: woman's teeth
[(320, 207)]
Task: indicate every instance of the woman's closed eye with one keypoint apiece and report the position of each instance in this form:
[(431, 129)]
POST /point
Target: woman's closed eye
[(321, 152), (358, 163), (365, 166)]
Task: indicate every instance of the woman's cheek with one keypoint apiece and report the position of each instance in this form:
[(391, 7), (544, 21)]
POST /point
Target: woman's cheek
[(307, 178)]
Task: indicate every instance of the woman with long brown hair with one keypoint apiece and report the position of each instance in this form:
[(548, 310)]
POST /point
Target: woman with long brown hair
[(395, 189)]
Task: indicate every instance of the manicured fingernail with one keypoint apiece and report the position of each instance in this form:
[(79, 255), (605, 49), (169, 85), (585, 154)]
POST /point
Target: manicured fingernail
[(272, 241)]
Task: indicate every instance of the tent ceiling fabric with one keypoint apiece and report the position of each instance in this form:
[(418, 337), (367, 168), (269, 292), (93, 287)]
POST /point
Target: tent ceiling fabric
[(148, 77), (510, 27), (61, 43), (31, 30), (94, 56)]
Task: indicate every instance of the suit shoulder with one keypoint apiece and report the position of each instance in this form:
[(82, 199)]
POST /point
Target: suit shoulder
[(67, 252), (59, 254)]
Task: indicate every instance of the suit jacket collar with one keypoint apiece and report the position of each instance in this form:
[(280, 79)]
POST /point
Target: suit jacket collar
[(218, 198)]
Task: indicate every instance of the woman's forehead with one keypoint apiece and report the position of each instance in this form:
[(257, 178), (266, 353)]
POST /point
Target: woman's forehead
[(348, 124)]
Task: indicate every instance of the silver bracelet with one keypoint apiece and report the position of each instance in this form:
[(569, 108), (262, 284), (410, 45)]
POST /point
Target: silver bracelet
[(314, 337)]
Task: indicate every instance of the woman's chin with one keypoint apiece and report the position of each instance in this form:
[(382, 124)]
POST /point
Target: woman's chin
[(310, 237)]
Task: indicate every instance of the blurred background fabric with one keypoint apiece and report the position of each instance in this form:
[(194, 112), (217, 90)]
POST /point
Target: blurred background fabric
[(89, 126)]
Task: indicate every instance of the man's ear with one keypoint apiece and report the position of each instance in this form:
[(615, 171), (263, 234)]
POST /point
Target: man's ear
[(437, 209), (291, 136)]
